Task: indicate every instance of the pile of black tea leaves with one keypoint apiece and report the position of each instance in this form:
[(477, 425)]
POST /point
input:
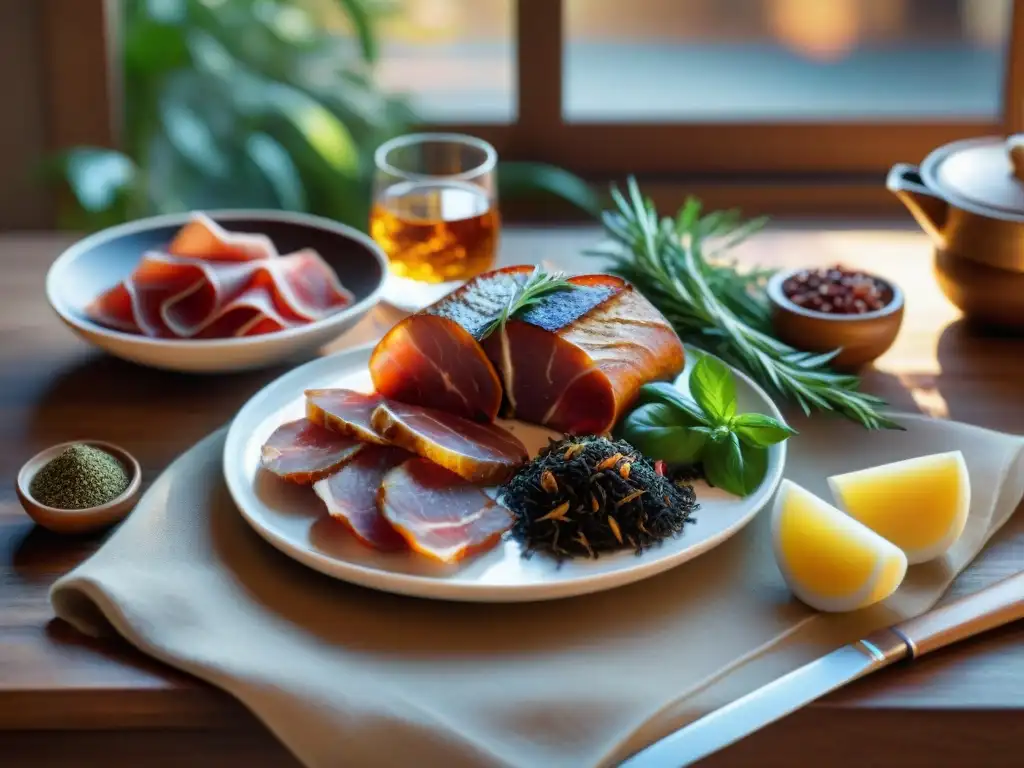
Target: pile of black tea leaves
[(582, 496)]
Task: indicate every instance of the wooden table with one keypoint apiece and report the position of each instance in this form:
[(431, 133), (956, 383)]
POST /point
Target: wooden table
[(68, 701)]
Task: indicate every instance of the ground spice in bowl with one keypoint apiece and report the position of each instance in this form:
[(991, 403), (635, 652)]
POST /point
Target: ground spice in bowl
[(80, 477)]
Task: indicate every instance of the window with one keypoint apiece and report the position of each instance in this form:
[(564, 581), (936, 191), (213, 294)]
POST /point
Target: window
[(770, 60), (728, 89), (796, 105), (456, 58)]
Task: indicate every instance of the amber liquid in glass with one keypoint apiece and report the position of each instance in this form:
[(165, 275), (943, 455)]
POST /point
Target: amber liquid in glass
[(434, 231)]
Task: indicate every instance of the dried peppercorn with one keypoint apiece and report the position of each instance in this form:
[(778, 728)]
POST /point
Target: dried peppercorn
[(837, 291)]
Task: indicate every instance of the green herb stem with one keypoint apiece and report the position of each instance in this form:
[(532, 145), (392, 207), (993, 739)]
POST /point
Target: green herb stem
[(538, 285), (663, 258)]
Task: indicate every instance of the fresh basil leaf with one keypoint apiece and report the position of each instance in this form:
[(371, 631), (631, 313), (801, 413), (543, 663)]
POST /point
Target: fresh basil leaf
[(655, 431), (755, 466), (668, 394), (723, 465), (758, 430), (714, 389)]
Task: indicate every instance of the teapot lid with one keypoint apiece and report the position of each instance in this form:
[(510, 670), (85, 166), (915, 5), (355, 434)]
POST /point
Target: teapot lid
[(985, 175)]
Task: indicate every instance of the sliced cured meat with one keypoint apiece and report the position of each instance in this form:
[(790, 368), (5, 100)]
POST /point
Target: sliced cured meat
[(433, 358), (216, 289), (344, 411), (303, 452), (114, 309), (440, 514), (176, 297), (252, 313), (575, 360), (203, 238), (350, 495), (306, 285), (483, 453)]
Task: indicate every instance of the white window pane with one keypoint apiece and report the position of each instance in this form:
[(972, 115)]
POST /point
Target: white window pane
[(779, 60), (455, 58)]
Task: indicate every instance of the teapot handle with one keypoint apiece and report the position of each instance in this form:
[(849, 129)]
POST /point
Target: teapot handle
[(928, 209)]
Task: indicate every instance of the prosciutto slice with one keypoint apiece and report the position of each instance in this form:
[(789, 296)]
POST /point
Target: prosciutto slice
[(438, 513), (303, 452), (203, 238), (344, 411), (573, 361), (350, 495), (239, 286), (483, 453)]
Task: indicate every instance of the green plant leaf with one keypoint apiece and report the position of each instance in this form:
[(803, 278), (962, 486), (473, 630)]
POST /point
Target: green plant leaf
[(192, 137), (655, 431), (756, 429), (277, 166), (153, 48), (325, 134), (522, 179), (714, 389), (755, 467), (363, 24), (663, 392), (723, 465), (99, 178)]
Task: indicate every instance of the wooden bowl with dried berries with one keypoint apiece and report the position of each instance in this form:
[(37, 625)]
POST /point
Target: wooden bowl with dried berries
[(819, 309)]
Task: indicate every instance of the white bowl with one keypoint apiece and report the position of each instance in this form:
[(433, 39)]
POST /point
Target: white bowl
[(100, 261)]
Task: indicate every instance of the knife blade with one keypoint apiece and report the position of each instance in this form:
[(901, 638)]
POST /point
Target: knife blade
[(991, 607), (770, 703)]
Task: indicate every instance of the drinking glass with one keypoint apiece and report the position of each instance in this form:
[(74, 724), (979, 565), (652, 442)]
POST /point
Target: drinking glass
[(435, 208)]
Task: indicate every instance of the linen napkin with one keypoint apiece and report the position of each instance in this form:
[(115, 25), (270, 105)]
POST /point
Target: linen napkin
[(349, 676)]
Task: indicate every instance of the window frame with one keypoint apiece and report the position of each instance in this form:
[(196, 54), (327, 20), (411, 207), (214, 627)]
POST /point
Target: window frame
[(778, 167), (79, 79), (789, 168)]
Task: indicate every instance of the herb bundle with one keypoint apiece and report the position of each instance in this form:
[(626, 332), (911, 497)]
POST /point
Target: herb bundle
[(711, 304), (585, 495), (731, 447)]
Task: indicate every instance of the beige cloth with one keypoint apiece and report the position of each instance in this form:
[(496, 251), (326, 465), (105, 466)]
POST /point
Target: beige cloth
[(349, 676)]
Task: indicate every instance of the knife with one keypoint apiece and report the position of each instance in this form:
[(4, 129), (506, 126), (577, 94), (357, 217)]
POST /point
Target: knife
[(992, 607)]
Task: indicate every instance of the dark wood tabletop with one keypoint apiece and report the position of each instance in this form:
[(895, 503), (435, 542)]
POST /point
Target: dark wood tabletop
[(66, 700)]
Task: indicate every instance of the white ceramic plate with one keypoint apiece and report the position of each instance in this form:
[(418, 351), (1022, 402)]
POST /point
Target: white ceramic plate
[(293, 519)]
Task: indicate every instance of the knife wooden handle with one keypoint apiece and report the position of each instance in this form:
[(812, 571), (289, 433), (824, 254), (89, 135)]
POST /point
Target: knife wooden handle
[(987, 609)]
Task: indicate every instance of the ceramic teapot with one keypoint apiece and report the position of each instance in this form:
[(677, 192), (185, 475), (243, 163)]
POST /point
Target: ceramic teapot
[(968, 197)]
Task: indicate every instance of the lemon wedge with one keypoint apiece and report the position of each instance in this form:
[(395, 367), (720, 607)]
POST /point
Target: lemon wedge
[(920, 505), (830, 560)]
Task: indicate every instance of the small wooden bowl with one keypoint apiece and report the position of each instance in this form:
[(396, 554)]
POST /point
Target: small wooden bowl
[(861, 337), (79, 520)]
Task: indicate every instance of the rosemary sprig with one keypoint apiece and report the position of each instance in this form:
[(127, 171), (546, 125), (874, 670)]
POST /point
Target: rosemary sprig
[(664, 259), (538, 285)]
